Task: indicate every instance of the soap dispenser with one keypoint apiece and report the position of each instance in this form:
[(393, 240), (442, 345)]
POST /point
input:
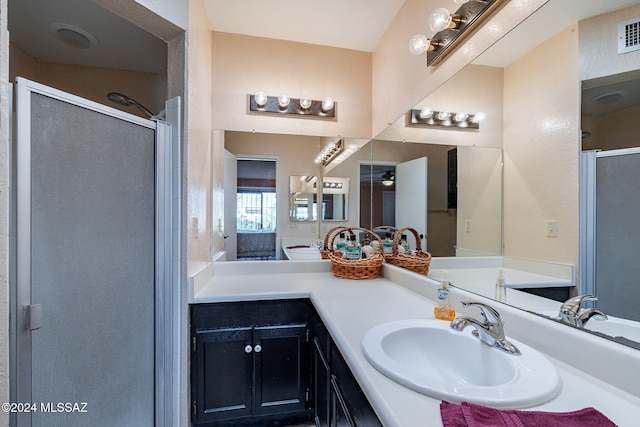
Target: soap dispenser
[(501, 287), (443, 310)]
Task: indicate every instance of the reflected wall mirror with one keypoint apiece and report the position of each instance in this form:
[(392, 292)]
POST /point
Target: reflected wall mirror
[(304, 194), (484, 79)]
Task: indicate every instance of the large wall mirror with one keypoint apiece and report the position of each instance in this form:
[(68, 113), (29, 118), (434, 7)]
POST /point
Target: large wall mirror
[(486, 219)]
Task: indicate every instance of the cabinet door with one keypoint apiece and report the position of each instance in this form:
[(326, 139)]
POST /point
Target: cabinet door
[(321, 381), (281, 354), (340, 416), (224, 374)]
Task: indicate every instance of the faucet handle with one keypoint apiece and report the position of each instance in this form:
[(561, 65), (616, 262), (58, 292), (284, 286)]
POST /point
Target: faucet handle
[(488, 313), (573, 305)]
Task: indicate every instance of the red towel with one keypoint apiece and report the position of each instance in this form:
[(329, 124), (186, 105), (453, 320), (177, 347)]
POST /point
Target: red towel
[(470, 415)]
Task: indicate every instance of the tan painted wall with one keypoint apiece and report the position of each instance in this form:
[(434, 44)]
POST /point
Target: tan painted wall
[(200, 143), (479, 201), (598, 45), (93, 83), (612, 131), (541, 145), (401, 80), (245, 65)]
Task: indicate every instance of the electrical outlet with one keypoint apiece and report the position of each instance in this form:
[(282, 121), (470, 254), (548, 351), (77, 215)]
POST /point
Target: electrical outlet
[(552, 228), (467, 226)]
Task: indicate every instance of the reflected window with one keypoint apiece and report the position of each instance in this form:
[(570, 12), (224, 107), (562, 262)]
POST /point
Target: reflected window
[(256, 211)]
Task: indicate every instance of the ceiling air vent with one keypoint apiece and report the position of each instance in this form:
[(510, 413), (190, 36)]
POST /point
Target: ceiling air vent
[(629, 35)]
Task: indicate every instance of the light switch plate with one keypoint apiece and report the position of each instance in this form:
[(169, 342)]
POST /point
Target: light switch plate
[(552, 228)]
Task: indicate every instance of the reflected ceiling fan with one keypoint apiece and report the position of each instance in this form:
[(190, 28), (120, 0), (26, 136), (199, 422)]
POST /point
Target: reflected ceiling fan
[(388, 178)]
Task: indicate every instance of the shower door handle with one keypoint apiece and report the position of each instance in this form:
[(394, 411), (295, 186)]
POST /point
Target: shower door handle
[(32, 316)]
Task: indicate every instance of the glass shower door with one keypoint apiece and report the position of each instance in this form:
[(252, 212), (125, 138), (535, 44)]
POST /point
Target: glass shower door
[(86, 263)]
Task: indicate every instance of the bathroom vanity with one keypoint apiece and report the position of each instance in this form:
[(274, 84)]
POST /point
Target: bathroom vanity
[(593, 371)]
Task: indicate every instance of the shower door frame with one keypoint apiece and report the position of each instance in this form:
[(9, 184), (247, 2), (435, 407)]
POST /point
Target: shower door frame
[(167, 248)]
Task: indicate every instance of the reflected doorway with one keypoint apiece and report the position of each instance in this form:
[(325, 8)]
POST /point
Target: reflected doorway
[(256, 214)]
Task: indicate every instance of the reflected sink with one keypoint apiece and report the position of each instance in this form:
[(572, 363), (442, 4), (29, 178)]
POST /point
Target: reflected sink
[(427, 356), (302, 252)]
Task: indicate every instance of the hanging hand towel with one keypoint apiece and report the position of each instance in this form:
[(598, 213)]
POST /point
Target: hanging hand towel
[(470, 415)]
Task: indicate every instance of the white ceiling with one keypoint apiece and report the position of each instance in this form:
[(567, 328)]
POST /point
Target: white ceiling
[(350, 24)]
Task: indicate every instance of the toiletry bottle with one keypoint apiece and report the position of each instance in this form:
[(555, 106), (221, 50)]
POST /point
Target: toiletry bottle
[(501, 287), (352, 251), (375, 244), (341, 243), (367, 250), (405, 244), (387, 244), (443, 310)]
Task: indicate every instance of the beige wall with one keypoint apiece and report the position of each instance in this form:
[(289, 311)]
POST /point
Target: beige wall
[(599, 45), (479, 201), (612, 131), (93, 83), (541, 148), (245, 65), (401, 80), (473, 89), (199, 142)]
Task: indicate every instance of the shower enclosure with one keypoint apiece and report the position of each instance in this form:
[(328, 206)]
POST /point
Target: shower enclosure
[(94, 298)]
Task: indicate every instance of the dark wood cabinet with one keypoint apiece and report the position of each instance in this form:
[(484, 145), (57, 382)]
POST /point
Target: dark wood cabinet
[(270, 363), (250, 363)]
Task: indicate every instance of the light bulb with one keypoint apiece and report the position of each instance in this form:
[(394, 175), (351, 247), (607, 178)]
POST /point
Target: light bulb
[(261, 99), (460, 1), (418, 44), (443, 115), (305, 103), (327, 104), (283, 101), (460, 117), (440, 20), (425, 113), (479, 117)]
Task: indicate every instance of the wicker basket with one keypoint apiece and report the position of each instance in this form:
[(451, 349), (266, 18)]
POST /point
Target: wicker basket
[(418, 262), (326, 249), (361, 269)]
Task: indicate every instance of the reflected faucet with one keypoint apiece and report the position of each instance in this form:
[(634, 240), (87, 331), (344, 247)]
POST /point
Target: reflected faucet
[(574, 314), (490, 331)]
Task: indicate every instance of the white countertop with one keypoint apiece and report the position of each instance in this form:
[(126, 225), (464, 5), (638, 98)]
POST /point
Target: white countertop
[(349, 308)]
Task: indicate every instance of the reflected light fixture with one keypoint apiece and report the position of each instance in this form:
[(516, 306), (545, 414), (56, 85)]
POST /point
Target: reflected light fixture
[(329, 153), (388, 179), (260, 103), (460, 120), (451, 28)]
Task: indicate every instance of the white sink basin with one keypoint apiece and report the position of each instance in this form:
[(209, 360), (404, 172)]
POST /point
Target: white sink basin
[(429, 357)]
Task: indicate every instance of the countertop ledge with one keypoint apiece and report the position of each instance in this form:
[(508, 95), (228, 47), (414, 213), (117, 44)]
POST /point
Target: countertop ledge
[(349, 308)]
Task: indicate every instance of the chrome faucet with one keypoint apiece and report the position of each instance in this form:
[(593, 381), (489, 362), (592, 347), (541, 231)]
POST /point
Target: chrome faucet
[(573, 313), (490, 331)]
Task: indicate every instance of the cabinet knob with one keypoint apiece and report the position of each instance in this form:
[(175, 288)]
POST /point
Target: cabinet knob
[(248, 349), (258, 348)]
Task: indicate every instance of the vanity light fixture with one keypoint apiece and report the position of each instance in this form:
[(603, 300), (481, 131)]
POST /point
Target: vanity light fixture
[(451, 28), (260, 103), (329, 152), (330, 184), (427, 117)]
